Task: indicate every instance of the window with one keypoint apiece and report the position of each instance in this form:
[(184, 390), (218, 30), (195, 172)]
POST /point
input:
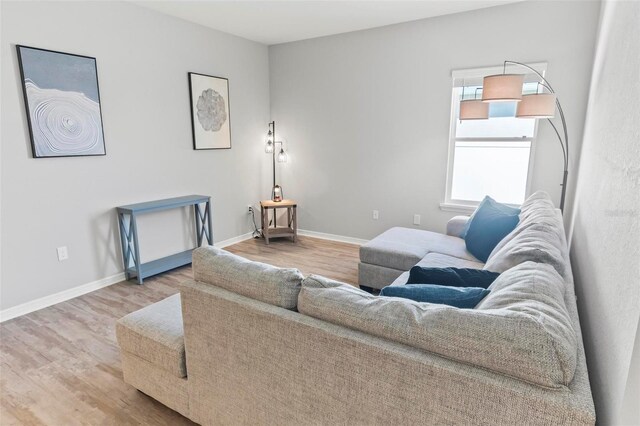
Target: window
[(489, 157)]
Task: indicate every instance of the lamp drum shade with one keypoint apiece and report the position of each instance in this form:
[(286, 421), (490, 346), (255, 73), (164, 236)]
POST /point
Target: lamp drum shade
[(474, 109), (502, 88), (539, 105)]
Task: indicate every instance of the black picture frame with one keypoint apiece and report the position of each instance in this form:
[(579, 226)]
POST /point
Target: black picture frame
[(215, 139), (35, 144)]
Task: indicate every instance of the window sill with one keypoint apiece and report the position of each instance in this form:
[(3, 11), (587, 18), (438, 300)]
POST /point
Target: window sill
[(458, 208)]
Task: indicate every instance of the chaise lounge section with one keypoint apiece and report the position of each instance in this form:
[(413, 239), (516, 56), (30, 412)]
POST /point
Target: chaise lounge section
[(387, 256)]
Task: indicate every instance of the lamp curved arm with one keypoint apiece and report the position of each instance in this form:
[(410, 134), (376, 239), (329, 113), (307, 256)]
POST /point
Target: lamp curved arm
[(564, 144), (558, 105), (564, 153), (530, 68)]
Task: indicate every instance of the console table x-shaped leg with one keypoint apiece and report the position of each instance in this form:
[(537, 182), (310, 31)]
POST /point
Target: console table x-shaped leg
[(129, 235)]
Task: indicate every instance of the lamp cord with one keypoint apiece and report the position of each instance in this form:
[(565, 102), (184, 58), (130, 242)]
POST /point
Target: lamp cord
[(256, 232)]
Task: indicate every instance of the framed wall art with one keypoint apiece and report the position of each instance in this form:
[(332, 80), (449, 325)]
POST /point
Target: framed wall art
[(210, 111), (62, 102)]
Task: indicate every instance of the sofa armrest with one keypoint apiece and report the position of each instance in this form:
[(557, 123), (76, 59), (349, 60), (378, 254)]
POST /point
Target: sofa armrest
[(456, 225)]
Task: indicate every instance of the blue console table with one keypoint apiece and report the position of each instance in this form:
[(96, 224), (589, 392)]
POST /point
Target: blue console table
[(129, 234)]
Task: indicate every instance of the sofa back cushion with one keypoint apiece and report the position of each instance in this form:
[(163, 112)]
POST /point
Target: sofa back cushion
[(536, 243), (536, 290), (527, 338), (266, 283), (538, 237)]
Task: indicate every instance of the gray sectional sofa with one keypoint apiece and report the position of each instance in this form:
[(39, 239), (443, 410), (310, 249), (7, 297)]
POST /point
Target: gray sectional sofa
[(248, 343)]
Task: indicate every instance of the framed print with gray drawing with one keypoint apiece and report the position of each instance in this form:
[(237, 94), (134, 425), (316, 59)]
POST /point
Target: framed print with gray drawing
[(210, 118)]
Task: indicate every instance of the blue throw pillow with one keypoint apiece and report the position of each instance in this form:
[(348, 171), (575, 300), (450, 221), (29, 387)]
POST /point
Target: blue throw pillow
[(456, 277), (489, 225), (488, 200), (460, 297)]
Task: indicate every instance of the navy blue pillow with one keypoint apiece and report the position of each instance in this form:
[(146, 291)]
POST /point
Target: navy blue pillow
[(489, 225), (460, 297), (456, 277)]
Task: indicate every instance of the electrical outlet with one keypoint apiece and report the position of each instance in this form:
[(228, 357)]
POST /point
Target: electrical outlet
[(376, 215), (249, 209), (416, 219), (63, 253)]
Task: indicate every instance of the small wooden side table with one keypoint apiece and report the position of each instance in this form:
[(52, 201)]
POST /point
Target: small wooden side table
[(291, 228)]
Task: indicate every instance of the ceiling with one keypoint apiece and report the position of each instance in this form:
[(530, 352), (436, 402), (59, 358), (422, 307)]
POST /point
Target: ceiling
[(274, 22)]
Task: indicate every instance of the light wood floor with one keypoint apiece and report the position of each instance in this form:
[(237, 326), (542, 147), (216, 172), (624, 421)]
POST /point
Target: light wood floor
[(61, 365)]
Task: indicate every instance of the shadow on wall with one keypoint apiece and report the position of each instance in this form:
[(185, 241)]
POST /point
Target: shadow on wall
[(107, 250), (188, 221), (108, 247), (23, 107)]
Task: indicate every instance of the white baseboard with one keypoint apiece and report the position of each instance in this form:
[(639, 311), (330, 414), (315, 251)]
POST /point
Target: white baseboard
[(303, 232), (234, 240), (332, 237), (63, 296)]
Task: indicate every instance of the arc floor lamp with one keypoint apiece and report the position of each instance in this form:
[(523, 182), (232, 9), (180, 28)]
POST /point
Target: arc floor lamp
[(270, 148), (508, 88)]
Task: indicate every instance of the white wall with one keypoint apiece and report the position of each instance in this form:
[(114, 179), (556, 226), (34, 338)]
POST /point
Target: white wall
[(366, 114), (143, 58), (630, 410), (605, 248)]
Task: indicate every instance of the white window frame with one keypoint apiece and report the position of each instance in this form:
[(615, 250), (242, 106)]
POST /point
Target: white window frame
[(476, 74)]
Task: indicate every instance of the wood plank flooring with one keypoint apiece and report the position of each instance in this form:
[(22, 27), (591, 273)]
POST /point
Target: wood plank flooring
[(61, 365)]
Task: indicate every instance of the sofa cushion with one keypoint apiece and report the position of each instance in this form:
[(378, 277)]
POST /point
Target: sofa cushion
[(375, 276), (536, 243), (490, 223), (266, 283), (460, 297), (401, 248), (155, 334), (539, 237), (437, 260), (401, 280), (537, 291), (454, 277), (527, 337), (457, 225), (535, 201), (536, 210)]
